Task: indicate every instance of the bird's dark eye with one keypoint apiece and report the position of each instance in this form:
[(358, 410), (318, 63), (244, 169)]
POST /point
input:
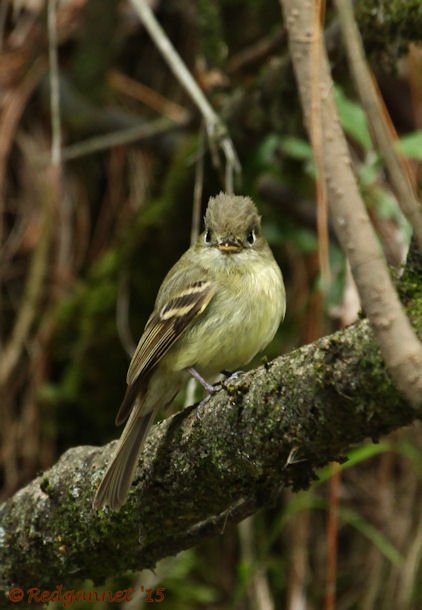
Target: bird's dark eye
[(251, 237), (207, 236)]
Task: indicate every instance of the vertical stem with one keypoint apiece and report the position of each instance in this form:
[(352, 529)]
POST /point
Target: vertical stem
[(54, 84), (332, 538)]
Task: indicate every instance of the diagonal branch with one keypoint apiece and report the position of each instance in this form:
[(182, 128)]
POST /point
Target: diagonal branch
[(399, 346), (371, 101), (216, 130), (31, 297), (208, 465)]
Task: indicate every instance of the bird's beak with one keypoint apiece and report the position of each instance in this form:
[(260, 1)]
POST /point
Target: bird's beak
[(229, 245)]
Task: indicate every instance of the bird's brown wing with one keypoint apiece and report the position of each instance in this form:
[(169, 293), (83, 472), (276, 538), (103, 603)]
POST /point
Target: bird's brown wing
[(163, 329)]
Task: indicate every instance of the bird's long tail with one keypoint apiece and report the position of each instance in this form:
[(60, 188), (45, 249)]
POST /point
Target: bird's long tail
[(114, 487)]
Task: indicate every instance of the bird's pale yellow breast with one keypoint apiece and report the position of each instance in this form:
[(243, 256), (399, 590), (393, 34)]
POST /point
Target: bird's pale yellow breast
[(240, 321)]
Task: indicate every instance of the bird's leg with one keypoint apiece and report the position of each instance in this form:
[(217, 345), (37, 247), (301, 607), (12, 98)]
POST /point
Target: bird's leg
[(208, 387), (211, 389)]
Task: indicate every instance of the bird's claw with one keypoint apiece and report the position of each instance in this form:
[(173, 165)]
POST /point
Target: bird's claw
[(229, 377)]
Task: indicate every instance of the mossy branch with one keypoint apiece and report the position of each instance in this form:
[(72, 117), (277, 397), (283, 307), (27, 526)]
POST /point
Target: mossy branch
[(208, 465)]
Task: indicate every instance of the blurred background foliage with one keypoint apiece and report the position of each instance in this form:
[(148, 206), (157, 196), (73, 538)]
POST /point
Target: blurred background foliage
[(83, 253)]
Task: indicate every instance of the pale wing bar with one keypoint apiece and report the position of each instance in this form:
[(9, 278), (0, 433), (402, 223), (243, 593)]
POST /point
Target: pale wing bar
[(162, 331)]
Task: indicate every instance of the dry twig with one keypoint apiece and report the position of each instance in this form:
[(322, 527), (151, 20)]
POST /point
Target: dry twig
[(30, 299), (216, 130), (197, 191), (56, 127), (117, 138), (14, 105), (148, 96), (316, 136)]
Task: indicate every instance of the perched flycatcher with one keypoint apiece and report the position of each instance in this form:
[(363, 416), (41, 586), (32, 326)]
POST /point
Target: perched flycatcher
[(219, 305)]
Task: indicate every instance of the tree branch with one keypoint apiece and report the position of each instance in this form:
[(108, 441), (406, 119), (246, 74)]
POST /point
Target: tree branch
[(32, 293), (378, 119), (400, 348), (209, 465), (216, 130)]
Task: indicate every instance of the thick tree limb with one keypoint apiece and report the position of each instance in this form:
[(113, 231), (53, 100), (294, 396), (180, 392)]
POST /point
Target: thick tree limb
[(207, 465)]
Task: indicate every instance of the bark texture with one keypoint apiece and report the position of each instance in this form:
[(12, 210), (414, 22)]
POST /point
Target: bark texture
[(210, 464)]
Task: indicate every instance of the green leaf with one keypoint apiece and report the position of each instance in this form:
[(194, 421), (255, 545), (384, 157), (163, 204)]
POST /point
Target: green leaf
[(267, 149), (413, 453), (296, 148), (410, 145), (356, 456), (353, 119), (373, 534)]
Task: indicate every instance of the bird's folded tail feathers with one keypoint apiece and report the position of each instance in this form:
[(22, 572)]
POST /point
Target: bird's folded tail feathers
[(114, 487), (135, 390)]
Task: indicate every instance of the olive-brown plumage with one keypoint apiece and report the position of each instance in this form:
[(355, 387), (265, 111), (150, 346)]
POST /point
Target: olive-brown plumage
[(218, 306)]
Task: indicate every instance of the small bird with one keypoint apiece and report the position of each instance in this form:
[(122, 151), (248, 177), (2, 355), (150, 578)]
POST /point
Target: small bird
[(218, 306)]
